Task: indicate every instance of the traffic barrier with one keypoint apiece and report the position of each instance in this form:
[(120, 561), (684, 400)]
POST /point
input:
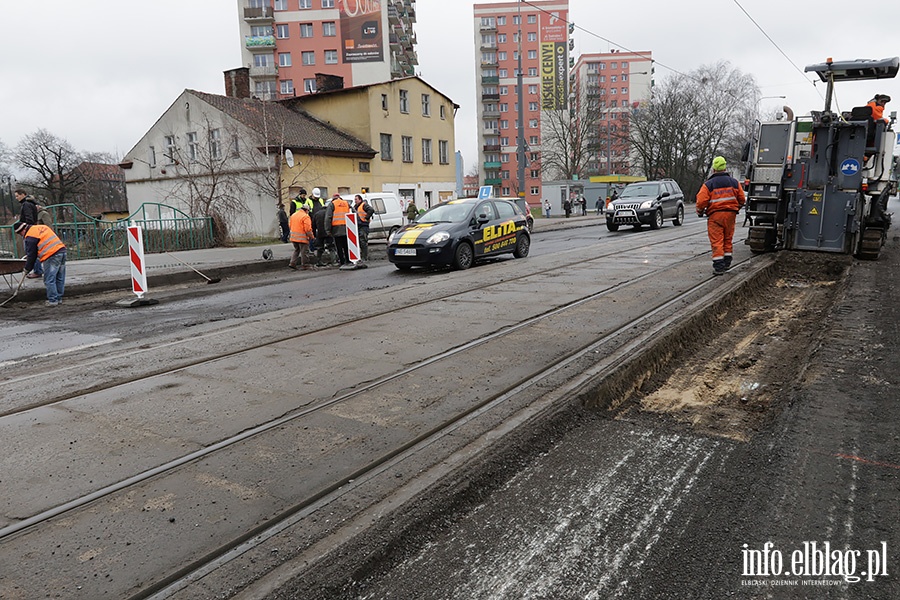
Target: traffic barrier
[(138, 266), (352, 237)]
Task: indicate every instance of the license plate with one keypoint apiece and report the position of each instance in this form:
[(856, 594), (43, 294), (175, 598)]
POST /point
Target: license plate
[(405, 252)]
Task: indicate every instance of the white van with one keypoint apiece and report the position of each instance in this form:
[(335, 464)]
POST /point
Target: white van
[(388, 216)]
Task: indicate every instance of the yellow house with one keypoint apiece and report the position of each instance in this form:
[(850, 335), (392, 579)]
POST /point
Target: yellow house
[(407, 121)]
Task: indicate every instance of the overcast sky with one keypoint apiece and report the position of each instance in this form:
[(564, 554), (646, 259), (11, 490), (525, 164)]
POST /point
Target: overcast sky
[(100, 72)]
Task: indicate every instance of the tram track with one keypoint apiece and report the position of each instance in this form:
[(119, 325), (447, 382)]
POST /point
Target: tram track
[(427, 434)]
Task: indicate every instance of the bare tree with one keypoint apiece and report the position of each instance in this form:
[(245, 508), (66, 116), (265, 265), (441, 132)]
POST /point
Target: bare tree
[(207, 182), (50, 160), (689, 120), (570, 141)]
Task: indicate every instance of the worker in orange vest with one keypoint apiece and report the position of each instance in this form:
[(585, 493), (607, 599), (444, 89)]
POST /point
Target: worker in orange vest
[(301, 236), (721, 199), (336, 226), (364, 212), (42, 244), (877, 104)]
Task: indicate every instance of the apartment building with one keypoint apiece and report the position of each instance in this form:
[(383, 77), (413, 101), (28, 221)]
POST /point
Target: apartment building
[(608, 87), (290, 44), (539, 31)]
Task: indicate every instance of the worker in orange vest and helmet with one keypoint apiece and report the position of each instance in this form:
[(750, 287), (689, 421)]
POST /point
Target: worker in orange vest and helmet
[(721, 199)]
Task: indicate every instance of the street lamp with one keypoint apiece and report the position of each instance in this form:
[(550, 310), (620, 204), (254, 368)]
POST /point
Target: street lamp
[(766, 98)]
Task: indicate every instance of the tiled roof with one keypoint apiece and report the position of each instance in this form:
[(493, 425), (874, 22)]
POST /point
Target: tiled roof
[(301, 130)]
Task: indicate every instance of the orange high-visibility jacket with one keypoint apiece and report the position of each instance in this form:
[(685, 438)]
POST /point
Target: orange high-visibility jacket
[(720, 192), (301, 227), (877, 111), (341, 208), (45, 240)]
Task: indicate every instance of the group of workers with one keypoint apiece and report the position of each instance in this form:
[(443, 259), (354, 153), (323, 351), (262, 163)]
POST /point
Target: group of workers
[(315, 225)]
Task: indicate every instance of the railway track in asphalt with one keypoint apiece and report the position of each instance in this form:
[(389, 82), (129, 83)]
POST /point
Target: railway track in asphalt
[(384, 446)]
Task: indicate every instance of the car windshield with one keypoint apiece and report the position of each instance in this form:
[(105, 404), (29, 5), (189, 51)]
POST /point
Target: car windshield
[(641, 190), (446, 213)]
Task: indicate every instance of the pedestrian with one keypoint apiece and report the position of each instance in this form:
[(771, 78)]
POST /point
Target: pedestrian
[(318, 205), (411, 211), (321, 237), (28, 209), (721, 199), (299, 200), (615, 196), (567, 207), (583, 202), (547, 208), (42, 244), (877, 105), (336, 226), (599, 204), (301, 235), (364, 213), (284, 227)]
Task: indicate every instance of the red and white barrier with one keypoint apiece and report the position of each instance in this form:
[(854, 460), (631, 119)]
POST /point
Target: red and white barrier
[(138, 266), (352, 237)]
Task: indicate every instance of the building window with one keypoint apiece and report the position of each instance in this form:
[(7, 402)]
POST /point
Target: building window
[(533, 140), (444, 152), (327, 3), (533, 106), (602, 66), (235, 146), (281, 5), (387, 146), (306, 30), (171, 149), (404, 101), (532, 37), (152, 156), (262, 60), (282, 32), (504, 174), (517, 19), (284, 59), (364, 167), (624, 64), (329, 29), (532, 54), (624, 77), (614, 66), (309, 86), (532, 19), (535, 173), (192, 145), (532, 71), (504, 90), (533, 123), (501, 56), (532, 89), (287, 87), (504, 158), (504, 107), (384, 102), (535, 190), (406, 148), (624, 90), (305, 4), (309, 58), (331, 57), (612, 78), (500, 20), (426, 151), (443, 112), (426, 105), (504, 141), (505, 191), (215, 143), (504, 124)]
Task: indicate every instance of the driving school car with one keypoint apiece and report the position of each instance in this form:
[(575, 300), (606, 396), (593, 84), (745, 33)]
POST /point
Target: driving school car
[(459, 232)]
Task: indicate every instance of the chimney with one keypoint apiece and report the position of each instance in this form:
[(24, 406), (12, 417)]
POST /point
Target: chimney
[(237, 82), (328, 83)]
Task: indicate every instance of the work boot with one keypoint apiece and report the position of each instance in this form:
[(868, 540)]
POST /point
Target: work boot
[(727, 260), (719, 267)]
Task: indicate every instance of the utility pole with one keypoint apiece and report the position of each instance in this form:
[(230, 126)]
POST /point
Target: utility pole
[(520, 117)]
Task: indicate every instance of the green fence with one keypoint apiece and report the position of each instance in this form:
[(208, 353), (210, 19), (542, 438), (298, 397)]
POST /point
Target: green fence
[(165, 229)]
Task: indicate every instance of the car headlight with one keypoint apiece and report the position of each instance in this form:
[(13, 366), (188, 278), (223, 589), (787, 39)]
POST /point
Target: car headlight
[(437, 238), (394, 237), (647, 204)]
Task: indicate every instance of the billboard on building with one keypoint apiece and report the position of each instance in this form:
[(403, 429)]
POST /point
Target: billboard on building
[(554, 62), (361, 34)]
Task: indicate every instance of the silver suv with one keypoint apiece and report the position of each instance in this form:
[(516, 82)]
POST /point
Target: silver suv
[(647, 203)]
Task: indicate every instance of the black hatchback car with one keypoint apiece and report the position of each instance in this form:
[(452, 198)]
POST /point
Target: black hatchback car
[(459, 232), (647, 203)]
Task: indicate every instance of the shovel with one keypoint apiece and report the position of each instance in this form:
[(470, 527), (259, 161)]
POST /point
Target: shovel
[(208, 279), (19, 287)]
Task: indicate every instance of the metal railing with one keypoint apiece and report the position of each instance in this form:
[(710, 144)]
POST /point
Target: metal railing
[(165, 229)]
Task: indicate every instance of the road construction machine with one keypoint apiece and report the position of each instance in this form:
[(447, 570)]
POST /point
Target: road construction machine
[(821, 182)]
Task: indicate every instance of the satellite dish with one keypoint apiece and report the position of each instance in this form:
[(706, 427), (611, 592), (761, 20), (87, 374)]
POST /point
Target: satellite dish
[(289, 157)]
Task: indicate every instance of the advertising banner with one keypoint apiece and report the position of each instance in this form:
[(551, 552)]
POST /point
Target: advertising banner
[(362, 37), (554, 62)]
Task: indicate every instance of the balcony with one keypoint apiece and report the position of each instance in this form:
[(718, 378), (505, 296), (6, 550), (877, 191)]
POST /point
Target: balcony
[(491, 80), (488, 27), (395, 42), (490, 96), (491, 148), (489, 62), (258, 14), (259, 42), (393, 15), (267, 72), (493, 181), (493, 165), (490, 114)]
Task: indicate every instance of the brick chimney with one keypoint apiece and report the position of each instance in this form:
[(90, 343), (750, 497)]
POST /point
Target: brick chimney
[(328, 83), (237, 82)]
